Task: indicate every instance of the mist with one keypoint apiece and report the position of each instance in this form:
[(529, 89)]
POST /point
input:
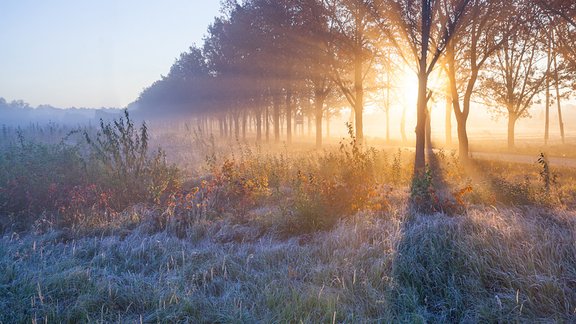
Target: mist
[(334, 161), (18, 113)]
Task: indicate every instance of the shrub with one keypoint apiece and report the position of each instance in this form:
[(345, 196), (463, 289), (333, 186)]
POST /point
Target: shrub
[(546, 176), (513, 192), (426, 198), (422, 192), (120, 162), (66, 185), (338, 185), (34, 178), (396, 168), (85, 205), (240, 186)]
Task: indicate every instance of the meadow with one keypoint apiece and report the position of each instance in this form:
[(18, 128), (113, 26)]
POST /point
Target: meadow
[(118, 223)]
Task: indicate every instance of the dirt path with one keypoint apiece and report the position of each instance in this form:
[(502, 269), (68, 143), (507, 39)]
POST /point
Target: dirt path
[(515, 158), (528, 159)]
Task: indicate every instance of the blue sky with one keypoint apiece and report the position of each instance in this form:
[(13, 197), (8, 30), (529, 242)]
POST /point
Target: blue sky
[(94, 53)]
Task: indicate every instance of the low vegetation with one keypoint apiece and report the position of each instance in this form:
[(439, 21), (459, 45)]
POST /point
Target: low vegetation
[(100, 227), (81, 184)]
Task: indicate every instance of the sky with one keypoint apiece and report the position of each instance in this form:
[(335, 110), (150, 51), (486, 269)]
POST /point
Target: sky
[(70, 53)]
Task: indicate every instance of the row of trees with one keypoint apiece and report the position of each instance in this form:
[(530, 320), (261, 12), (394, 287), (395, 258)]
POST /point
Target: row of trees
[(269, 61)]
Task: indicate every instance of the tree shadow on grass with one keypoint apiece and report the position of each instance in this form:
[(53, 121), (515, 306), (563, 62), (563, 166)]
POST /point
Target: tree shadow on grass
[(489, 264), (498, 187), (430, 193), (428, 265)]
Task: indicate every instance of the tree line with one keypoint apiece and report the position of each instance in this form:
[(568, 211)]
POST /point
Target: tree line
[(21, 113), (265, 64)]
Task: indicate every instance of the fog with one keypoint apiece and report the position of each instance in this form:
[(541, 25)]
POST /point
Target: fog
[(483, 126), (18, 113)]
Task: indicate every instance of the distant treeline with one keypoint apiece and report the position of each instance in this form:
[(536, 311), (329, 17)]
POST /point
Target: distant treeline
[(18, 112)]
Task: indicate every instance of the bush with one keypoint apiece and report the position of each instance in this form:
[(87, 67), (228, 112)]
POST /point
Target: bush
[(57, 184), (339, 185), (119, 161), (35, 178), (427, 199)]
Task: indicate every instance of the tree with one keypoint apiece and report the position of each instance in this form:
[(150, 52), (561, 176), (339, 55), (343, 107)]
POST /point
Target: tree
[(562, 68), (354, 37), (565, 29), (515, 79), (387, 81), (276, 25), (467, 53), (422, 29), (317, 49), (558, 17), (182, 92), (239, 54), (561, 8)]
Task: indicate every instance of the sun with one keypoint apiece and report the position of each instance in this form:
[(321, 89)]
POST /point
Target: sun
[(407, 97), (408, 87)]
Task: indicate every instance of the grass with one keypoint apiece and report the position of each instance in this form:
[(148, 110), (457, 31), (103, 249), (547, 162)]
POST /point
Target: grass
[(530, 147), (488, 265), (275, 235)]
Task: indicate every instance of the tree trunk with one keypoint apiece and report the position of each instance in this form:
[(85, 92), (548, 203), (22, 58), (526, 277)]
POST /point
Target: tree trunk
[(319, 108), (309, 119), (289, 116), (359, 126), (461, 112), (557, 86), (328, 124), (420, 159), (267, 123), (547, 120), (244, 124), (210, 121), (428, 131), (276, 117), (463, 149), (221, 127), (448, 119), (231, 120), (258, 124), (296, 130), (359, 103), (511, 124), (388, 106)]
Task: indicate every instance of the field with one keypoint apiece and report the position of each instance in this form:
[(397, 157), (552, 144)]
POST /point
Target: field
[(103, 227)]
